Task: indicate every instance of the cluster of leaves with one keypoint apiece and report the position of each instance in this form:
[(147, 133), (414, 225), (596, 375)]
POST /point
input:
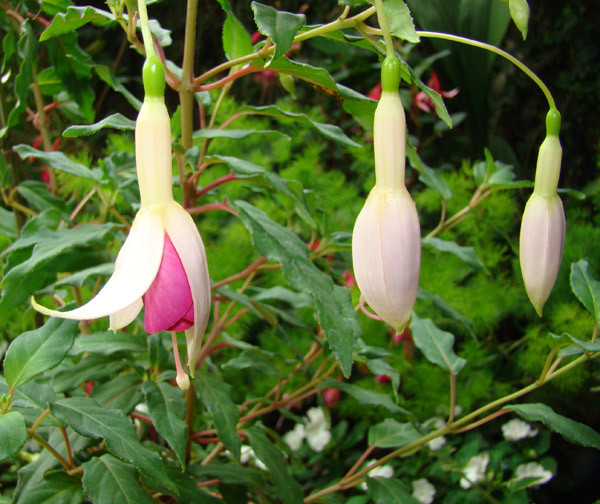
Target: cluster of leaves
[(90, 415)]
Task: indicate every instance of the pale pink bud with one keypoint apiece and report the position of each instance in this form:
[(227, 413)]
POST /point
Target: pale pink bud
[(543, 227), (386, 242)]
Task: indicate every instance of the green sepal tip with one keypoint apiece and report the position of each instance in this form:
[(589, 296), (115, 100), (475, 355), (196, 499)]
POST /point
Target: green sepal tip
[(553, 122), (154, 76), (390, 74)]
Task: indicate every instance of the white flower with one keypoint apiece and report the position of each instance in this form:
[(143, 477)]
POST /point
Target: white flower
[(247, 456), (533, 470), (384, 471), (517, 429), (474, 471), (317, 429), (437, 423), (295, 437), (423, 491)]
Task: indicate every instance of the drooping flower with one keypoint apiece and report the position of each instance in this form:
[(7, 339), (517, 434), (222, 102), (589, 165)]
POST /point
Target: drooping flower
[(533, 470), (516, 429), (162, 264), (423, 491), (384, 471), (543, 225), (422, 100), (475, 470), (386, 241)]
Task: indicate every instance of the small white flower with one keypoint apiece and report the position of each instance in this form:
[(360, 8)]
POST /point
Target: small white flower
[(474, 471), (248, 456), (317, 429), (295, 437), (384, 471), (517, 429), (423, 491), (533, 470), (436, 423)]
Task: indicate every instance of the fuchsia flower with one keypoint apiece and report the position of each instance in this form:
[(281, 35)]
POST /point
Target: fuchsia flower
[(386, 241), (162, 264), (423, 102)]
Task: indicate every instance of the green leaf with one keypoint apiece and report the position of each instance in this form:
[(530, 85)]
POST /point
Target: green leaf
[(107, 76), (36, 194), (389, 491), (231, 474), (107, 480), (35, 352), (436, 344), (318, 77), (327, 130), (381, 367), (123, 392), (88, 418), (117, 121), (236, 40), (249, 360), (446, 309), (74, 18), (215, 395), (392, 434), (235, 134), (8, 224), (13, 434), (79, 278), (287, 488), (332, 302), (188, 487), (109, 342), (166, 408), (56, 488), (427, 175), (571, 430), (364, 396), (280, 26), (400, 20), (465, 254), (243, 169), (69, 376), (519, 12), (58, 161), (586, 288)]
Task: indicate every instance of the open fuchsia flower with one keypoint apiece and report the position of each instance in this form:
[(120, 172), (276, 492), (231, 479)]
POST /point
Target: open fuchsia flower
[(162, 264), (386, 242), (543, 224)]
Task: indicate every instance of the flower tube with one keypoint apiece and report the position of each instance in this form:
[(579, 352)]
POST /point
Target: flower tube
[(386, 241), (543, 225), (162, 264)]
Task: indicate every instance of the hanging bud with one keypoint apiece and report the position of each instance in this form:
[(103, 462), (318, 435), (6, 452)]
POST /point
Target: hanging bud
[(386, 242), (543, 224)]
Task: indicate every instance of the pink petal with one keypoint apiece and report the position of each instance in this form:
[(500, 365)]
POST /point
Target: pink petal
[(168, 302)]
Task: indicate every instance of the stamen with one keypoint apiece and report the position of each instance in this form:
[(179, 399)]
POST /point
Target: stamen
[(183, 381)]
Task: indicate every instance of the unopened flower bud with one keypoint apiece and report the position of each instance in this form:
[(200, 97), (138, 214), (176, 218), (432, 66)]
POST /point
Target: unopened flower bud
[(543, 224), (386, 242)]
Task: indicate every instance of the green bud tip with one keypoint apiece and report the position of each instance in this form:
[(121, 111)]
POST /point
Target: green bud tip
[(154, 76), (390, 74), (553, 122)]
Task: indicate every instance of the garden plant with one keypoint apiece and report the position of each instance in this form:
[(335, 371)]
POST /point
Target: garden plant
[(258, 253)]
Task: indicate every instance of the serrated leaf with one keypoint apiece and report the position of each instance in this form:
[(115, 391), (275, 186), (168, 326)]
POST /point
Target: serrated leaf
[(287, 488), (34, 352), (166, 408), (109, 342), (123, 392), (58, 161), (554, 341), (107, 76), (314, 75), (465, 254), (572, 431), (236, 40), (333, 304), (79, 278), (392, 434), (13, 434), (586, 288), (249, 360), (56, 488), (116, 121), (279, 25), (231, 473), (427, 175), (88, 418), (446, 309), (400, 20), (389, 491), (74, 18), (436, 344), (214, 393), (107, 480), (188, 487), (365, 396), (93, 367), (37, 196)]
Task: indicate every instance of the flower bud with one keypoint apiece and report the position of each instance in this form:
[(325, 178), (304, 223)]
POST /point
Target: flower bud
[(386, 242), (543, 224)]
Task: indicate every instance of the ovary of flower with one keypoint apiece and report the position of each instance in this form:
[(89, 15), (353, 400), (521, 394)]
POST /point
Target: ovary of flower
[(386, 241), (516, 429), (317, 429), (162, 264), (423, 491), (474, 471), (533, 470), (543, 227)]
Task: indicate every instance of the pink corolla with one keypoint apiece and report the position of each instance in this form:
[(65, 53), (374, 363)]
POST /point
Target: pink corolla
[(386, 241), (162, 264), (543, 225)]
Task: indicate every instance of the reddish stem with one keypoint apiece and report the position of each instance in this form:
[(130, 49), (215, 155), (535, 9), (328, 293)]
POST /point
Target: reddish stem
[(143, 418), (229, 78), (215, 183), (242, 274), (211, 207), (209, 483)]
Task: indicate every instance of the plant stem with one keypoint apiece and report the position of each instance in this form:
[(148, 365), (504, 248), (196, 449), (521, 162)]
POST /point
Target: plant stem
[(48, 447), (146, 33), (385, 29), (186, 89), (452, 396), (39, 105), (190, 402)]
